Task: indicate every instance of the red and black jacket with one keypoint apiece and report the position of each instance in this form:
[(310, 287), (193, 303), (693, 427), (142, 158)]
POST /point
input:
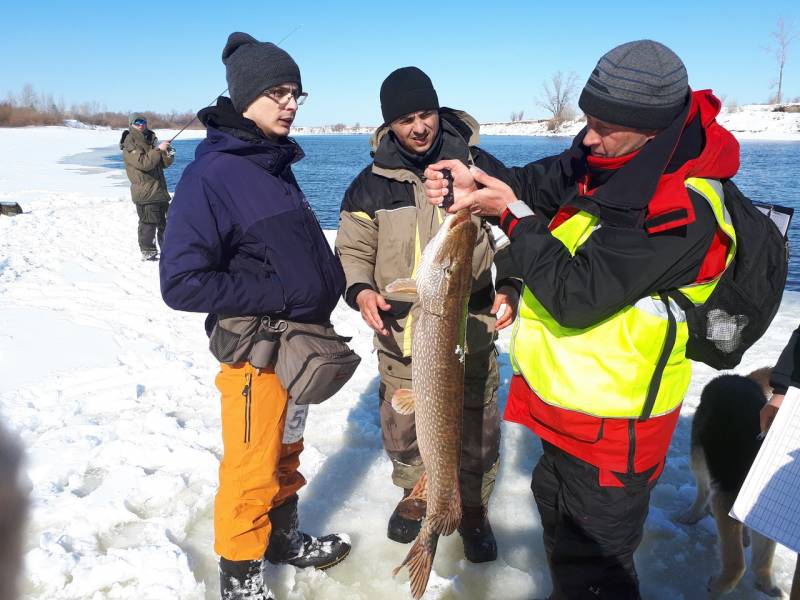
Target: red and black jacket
[(655, 234)]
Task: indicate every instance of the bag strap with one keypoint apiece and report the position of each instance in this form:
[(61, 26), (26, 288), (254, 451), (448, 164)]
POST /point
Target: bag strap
[(666, 350)]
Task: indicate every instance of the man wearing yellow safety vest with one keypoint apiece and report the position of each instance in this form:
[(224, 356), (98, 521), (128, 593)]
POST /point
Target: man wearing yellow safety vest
[(601, 232)]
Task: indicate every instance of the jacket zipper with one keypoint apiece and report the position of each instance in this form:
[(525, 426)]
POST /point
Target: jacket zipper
[(248, 400), (631, 446)]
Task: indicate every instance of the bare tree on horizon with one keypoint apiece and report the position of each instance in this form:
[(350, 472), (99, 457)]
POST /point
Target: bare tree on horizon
[(558, 94), (783, 36)]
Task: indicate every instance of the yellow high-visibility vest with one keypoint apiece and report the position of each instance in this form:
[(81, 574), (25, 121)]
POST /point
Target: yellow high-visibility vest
[(623, 366)]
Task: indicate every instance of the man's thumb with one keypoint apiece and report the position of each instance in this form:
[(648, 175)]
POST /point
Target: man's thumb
[(481, 176)]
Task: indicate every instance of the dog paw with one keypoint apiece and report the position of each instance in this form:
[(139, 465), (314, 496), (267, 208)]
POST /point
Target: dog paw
[(721, 585), (769, 588)]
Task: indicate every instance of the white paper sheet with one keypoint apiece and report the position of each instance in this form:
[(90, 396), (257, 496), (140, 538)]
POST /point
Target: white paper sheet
[(769, 501)]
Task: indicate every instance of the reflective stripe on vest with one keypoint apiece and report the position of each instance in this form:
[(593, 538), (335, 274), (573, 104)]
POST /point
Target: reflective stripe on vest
[(606, 370)]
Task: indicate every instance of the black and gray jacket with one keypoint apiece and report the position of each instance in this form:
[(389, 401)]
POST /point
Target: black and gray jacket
[(386, 221)]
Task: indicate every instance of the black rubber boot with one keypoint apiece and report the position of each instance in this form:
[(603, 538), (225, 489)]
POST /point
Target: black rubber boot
[(289, 545), (476, 533), (406, 520), (242, 580)]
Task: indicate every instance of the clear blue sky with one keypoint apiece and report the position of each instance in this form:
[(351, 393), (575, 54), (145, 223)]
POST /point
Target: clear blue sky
[(489, 58)]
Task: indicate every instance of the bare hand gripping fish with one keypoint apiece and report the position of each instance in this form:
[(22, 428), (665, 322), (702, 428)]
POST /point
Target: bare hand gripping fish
[(443, 284)]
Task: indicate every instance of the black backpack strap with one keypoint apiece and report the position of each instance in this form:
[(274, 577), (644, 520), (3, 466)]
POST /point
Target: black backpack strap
[(681, 300), (666, 350)]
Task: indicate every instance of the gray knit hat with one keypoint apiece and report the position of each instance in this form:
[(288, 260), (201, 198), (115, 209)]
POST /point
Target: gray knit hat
[(252, 67), (135, 117), (641, 84)]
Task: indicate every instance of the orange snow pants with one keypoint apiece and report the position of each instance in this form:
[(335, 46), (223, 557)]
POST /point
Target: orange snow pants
[(258, 471)]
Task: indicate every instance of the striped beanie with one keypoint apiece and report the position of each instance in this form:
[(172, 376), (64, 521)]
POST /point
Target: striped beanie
[(641, 84)]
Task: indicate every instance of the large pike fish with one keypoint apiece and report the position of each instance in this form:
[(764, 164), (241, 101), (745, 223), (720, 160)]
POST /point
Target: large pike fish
[(442, 285)]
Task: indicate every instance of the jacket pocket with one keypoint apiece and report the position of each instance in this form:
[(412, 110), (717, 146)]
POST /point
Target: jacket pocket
[(567, 423)]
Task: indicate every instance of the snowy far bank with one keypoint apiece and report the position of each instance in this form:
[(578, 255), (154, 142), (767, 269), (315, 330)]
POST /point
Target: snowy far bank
[(112, 395), (748, 122)]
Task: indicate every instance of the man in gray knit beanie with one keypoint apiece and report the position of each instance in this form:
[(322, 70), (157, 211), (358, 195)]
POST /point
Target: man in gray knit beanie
[(240, 194), (603, 234)]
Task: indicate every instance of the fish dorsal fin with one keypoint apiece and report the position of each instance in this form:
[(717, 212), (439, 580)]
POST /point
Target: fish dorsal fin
[(403, 401), (406, 285)]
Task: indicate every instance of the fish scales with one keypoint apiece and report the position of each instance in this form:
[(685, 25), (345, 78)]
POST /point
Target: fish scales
[(443, 285)]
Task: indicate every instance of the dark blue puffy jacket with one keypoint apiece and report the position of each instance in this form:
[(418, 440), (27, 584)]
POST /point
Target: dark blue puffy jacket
[(241, 238)]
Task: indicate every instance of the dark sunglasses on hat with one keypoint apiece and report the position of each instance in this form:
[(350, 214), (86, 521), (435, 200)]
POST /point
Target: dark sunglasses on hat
[(140, 122)]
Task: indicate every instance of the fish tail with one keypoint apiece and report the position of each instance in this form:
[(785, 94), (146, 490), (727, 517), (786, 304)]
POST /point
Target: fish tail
[(420, 560)]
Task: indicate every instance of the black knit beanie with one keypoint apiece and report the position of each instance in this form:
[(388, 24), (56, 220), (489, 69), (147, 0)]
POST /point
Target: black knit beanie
[(406, 90), (252, 67), (641, 84)]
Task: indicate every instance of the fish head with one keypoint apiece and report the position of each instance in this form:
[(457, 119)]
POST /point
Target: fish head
[(445, 272)]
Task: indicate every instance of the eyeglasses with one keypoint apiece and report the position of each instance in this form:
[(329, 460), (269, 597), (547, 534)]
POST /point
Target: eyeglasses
[(282, 95), (140, 122)]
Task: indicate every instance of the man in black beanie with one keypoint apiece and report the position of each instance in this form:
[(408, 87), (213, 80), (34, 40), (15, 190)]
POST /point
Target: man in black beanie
[(233, 250), (602, 232), (385, 222)]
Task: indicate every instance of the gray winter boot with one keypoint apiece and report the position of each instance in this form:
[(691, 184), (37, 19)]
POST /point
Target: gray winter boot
[(242, 580), (287, 544)]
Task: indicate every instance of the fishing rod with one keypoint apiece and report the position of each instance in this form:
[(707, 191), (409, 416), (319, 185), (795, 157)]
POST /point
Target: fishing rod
[(226, 89)]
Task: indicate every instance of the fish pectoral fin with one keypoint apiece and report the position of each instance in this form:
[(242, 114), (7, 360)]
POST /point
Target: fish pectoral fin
[(407, 285), (403, 401)]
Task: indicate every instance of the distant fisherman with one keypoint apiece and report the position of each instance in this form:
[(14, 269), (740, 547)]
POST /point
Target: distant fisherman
[(385, 223), (145, 160), (634, 208), (243, 241)]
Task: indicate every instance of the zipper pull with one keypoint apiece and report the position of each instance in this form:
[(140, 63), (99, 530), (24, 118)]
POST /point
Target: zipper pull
[(246, 388)]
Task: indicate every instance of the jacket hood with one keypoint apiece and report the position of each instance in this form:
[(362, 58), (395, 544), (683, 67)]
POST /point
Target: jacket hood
[(142, 138), (458, 129), (227, 131), (654, 178)]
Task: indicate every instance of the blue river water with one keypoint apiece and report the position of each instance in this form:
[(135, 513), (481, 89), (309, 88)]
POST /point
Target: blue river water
[(767, 174)]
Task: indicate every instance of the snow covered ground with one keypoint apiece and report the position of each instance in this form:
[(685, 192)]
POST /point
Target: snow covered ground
[(112, 396)]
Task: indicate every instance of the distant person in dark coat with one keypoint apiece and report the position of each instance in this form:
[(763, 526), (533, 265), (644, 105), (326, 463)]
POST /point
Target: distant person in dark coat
[(145, 160), (243, 241)]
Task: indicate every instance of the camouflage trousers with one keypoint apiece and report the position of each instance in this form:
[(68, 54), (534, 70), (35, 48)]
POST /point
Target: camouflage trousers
[(480, 445)]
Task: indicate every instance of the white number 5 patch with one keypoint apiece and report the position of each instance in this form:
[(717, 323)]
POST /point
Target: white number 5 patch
[(295, 422)]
